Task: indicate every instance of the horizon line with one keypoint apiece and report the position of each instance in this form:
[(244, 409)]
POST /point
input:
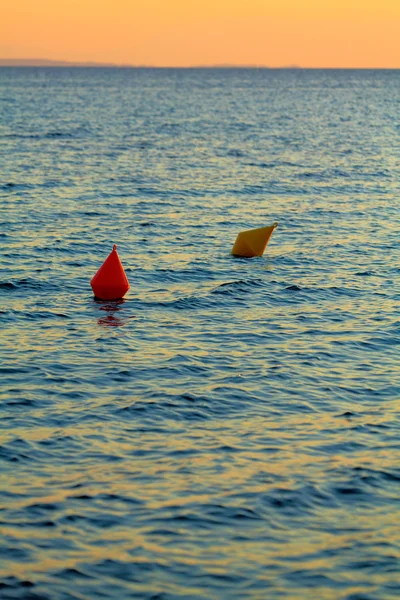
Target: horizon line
[(44, 62)]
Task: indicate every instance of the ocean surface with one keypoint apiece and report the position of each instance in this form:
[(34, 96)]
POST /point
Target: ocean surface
[(231, 429)]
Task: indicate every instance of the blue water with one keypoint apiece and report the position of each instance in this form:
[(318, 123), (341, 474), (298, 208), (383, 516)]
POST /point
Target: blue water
[(231, 429)]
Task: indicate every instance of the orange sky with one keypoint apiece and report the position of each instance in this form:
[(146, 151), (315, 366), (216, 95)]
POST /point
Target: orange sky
[(307, 33)]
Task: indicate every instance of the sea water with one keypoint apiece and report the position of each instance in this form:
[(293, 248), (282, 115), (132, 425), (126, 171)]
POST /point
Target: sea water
[(231, 428)]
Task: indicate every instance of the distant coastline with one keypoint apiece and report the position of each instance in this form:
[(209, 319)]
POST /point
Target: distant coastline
[(44, 62)]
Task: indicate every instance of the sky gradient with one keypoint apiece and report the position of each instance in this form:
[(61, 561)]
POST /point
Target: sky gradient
[(305, 33)]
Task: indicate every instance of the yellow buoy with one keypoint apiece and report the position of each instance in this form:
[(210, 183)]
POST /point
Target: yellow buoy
[(253, 241)]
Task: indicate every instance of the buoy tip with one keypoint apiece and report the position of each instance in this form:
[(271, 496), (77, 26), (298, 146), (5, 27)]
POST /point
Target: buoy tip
[(114, 247)]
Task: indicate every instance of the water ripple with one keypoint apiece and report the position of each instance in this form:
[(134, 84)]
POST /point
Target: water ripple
[(230, 429)]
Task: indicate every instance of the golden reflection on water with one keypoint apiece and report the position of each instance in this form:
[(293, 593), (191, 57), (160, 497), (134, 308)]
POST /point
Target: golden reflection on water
[(158, 483)]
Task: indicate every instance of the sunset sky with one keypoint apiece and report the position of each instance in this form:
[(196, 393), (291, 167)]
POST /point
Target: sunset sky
[(306, 33)]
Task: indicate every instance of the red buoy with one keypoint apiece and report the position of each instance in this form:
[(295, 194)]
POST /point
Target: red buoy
[(110, 281)]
